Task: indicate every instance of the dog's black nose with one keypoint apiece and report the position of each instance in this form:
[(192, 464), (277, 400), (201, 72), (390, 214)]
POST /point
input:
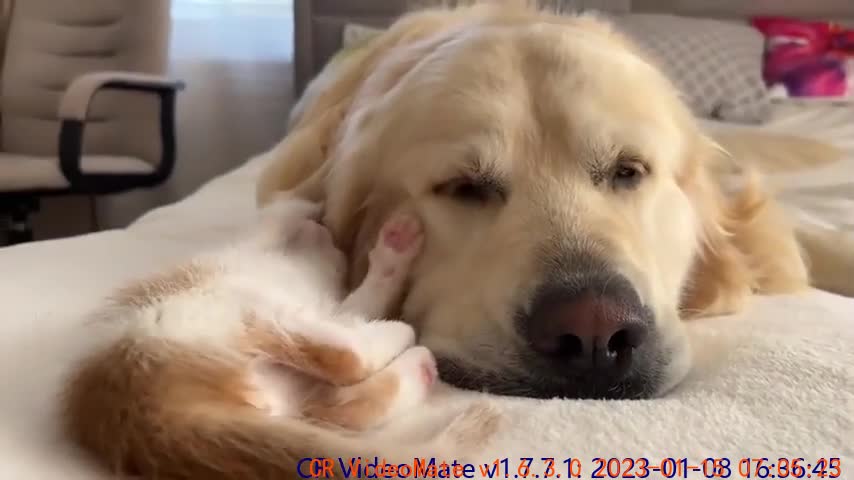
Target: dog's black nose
[(591, 328)]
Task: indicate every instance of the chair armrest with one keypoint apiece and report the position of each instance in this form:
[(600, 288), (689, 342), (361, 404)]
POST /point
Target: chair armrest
[(77, 98), (73, 113)]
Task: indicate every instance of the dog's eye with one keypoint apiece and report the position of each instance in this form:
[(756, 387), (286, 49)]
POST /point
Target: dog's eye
[(628, 174), (468, 190)]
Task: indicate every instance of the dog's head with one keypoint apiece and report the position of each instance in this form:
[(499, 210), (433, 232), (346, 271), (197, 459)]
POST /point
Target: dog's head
[(560, 182)]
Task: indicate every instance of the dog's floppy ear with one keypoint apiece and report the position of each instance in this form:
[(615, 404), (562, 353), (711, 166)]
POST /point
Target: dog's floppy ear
[(301, 160), (747, 245), (337, 156), (356, 203)]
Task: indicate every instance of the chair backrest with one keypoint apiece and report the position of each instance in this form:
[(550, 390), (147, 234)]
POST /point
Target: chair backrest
[(51, 42)]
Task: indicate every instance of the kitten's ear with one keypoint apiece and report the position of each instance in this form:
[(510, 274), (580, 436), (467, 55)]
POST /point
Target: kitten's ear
[(747, 245)]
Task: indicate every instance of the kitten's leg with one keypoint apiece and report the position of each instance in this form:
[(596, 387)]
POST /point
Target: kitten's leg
[(379, 341), (324, 353), (399, 387), (335, 354), (398, 243), (347, 352), (286, 221)]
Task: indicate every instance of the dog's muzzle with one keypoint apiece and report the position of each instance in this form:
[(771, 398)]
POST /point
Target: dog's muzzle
[(585, 334)]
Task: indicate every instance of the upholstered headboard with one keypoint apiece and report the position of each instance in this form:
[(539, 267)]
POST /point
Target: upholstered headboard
[(319, 24), (838, 10)]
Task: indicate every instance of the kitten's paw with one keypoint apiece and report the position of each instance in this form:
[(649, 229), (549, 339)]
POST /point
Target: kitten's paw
[(285, 220), (402, 234), (307, 234), (263, 388), (383, 340), (399, 243), (286, 209), (259, 400), (416, 372)]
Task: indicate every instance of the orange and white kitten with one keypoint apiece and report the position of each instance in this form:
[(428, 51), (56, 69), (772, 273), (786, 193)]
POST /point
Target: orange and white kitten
[(242, 361)]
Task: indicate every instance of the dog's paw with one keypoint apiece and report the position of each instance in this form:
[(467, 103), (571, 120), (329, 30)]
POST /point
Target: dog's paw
[(399, 242)]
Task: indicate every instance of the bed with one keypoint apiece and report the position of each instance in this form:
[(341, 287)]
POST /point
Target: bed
[(776, 380)]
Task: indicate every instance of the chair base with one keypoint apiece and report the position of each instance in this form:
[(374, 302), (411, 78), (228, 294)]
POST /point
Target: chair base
[(17, 211)]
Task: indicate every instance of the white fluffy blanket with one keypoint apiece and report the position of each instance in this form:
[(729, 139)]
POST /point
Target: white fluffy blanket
[(774, 381)]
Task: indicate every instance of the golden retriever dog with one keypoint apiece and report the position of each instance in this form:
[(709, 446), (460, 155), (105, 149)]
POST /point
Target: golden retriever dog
[(571, 213)]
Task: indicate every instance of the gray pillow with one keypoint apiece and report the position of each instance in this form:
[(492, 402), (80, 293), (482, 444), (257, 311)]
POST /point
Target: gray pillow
[(717, 65)]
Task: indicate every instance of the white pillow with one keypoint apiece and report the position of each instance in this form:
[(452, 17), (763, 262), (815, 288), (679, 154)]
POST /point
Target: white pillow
[(355, 35)]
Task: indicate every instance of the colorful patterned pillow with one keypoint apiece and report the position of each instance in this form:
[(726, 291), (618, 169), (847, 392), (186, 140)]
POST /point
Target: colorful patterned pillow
[(808, 59)]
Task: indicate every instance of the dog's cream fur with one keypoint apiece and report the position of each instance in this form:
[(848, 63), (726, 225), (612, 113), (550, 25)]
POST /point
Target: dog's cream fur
[(546, 107), (245, 360)]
